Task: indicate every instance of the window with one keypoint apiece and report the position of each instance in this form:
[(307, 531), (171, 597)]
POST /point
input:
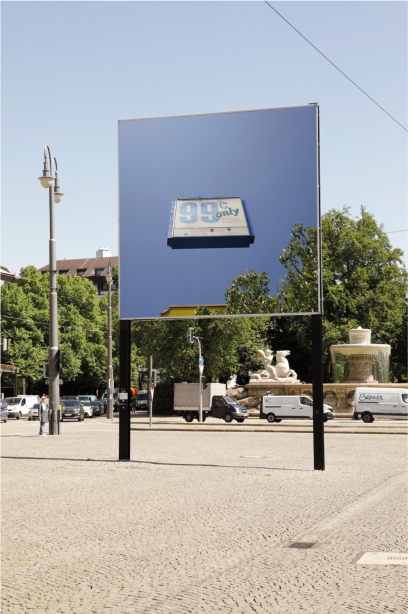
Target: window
[(405, 398), (99, 271), (81, 272), (63, 272)]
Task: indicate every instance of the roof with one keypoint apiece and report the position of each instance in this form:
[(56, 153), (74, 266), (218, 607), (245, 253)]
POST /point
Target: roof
[(190, 310), (5, 275), (87, 264)]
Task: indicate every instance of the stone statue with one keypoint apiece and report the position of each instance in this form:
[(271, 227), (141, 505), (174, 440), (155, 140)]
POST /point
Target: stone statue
[(232, 382), (280, 372)]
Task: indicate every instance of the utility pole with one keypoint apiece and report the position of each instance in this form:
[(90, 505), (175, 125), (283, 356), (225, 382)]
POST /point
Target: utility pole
[(191, 337)]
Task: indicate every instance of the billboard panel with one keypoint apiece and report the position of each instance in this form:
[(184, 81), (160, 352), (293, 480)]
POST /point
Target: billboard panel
[(203, 198)]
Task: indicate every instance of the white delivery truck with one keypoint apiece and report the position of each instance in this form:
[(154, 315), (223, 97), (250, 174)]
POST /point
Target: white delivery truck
[(274, 409), (216, 403), (21, 406), (370, 403)]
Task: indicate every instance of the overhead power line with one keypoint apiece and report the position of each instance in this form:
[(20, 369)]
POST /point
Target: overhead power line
[(391, 232), (333, 64)]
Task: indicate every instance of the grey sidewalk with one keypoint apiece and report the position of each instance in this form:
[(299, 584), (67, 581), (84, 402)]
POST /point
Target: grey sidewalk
[(198, 522)]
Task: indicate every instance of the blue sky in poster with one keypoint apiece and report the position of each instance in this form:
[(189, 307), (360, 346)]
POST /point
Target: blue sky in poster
[(266, 157)]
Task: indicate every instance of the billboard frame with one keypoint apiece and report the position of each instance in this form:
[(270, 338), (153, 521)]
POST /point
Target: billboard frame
[(316, 316)]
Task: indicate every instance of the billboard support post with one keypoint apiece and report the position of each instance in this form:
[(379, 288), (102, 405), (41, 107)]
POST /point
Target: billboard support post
[(200, 388), (317, 382), (124, 388), (149, 396)]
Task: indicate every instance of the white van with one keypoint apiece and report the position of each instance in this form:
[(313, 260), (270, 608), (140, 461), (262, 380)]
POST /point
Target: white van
[(21, 405), (370, 403), (274, 409)]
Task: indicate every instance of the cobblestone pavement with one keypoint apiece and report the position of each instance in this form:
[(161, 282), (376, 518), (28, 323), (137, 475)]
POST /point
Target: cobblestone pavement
[(199, 522)]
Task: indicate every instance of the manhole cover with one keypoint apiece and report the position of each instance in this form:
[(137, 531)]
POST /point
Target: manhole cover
[(301, 545)]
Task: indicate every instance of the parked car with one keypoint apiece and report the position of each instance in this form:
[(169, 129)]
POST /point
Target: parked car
[(115, 400), (88, 411), (4, 410), (21, 405), (97, 408), (34, 411), (87, 397), (141, 401), (72, 408)]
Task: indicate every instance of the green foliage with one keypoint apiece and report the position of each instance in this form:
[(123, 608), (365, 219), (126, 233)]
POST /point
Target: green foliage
[(298, 290), (364, 284), (225, 344), (249, 293), (24, 308), (82, 329)]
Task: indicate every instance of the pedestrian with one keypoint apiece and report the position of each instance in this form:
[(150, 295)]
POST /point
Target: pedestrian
[(43, 415)]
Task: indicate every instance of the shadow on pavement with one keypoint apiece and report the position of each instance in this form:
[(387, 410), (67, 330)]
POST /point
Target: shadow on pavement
[(141, 462)]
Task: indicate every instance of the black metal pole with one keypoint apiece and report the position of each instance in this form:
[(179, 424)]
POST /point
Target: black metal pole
[(317, 382), (124, 387)]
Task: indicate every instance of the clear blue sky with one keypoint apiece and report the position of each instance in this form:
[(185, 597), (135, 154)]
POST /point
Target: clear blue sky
[(71, 70)]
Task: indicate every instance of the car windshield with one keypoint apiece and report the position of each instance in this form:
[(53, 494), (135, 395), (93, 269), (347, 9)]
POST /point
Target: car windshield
[(142, 396), (306, 401), (71, 403), (13, 401), (86, 403), (69, 398), (35, 406), (96, 403), (230, 400)]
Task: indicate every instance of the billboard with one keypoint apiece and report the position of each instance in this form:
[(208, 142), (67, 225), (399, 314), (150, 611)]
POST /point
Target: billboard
[(203, 198)]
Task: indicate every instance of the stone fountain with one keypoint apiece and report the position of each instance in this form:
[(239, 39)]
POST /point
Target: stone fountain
[(357, 363), (360, 361)]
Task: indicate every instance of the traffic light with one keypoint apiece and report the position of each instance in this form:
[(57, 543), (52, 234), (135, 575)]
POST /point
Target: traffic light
[(154, 378), (44, 370), (190, 335), (58, 360), (204, 381)]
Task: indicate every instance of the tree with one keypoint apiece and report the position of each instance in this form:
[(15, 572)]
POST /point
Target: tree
[(364, 284), (249, 293), (82, 329)]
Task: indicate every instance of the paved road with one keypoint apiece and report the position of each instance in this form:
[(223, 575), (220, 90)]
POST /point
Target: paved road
[(199, 522), (341, 425)]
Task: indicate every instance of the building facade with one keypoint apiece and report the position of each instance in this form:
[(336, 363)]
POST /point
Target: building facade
[(94, 269)]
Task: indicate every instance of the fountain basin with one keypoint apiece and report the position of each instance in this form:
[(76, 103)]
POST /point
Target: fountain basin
[(361, 358)]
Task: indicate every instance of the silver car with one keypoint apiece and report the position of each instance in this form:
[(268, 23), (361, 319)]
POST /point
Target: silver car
[(34, 411)]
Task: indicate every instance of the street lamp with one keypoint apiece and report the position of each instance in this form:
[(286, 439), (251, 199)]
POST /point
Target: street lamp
[(47, 181), (109, 388)]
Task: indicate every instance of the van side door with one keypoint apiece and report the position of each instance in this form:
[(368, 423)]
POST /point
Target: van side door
[(217, 407), (305, 407), (404, 404)]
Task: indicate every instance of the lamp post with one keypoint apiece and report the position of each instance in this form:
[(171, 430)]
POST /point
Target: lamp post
[(109, 388), (55, 196)]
